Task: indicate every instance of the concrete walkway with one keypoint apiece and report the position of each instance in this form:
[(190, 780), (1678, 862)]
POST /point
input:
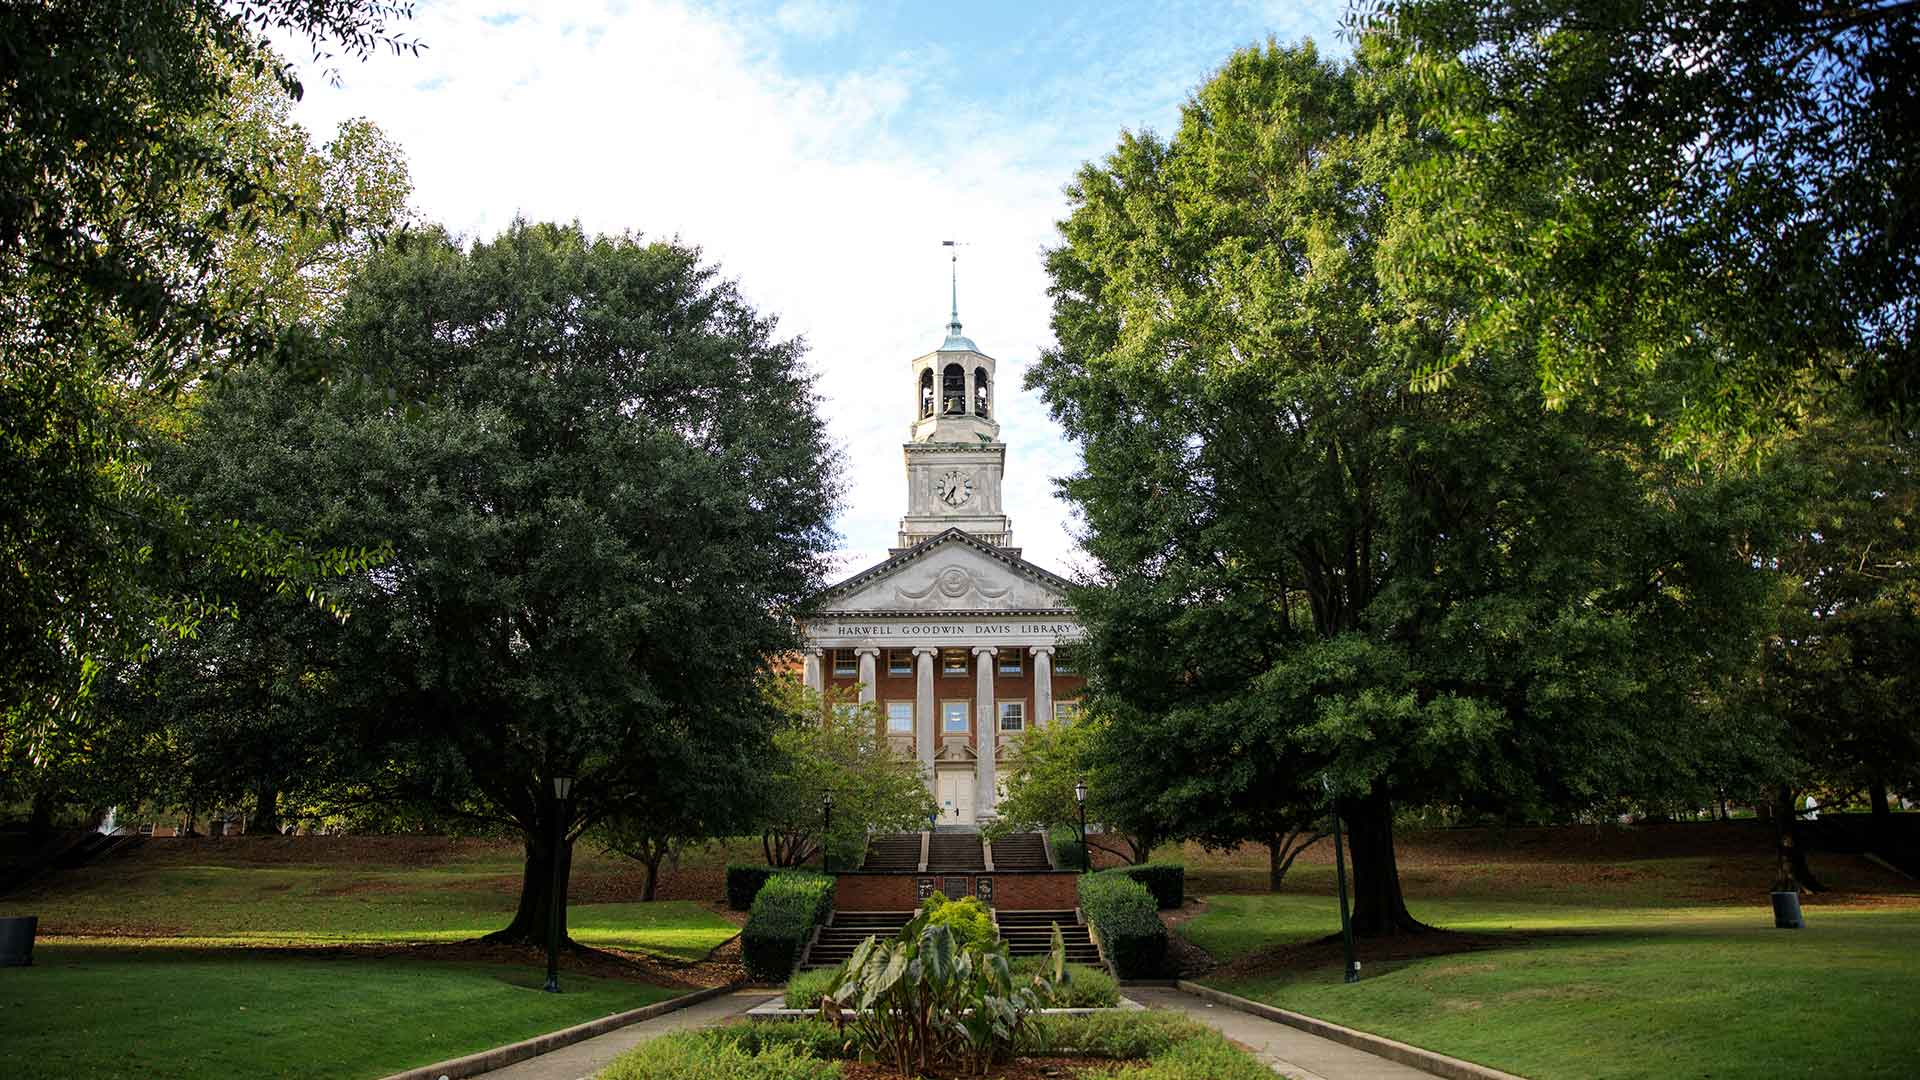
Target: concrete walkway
[(583, 1059), (1290, 1052)]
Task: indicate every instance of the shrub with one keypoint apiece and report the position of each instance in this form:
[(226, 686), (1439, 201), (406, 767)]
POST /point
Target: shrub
[(813, 1037), (967, 917), (1084, 987), (806, 988), (784, 914), (691, 1055), (743, 884), (1204, 1055), (1166, 881), (1123, 913), (1066, 848), (1115, 1035)]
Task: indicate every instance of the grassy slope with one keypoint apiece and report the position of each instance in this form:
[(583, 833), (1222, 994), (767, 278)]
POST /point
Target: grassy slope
[(171, 899), (98, 1012), (1622, 966)]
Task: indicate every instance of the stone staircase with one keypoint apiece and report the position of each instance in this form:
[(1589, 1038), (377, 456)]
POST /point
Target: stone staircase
[(1021, 851), (893, 851), (845, 930), (1030, 933), (956, 853)]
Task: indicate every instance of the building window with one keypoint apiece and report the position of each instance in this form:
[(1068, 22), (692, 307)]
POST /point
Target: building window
[(953, 390), (899, 717), (1013, 716), (845, 662), (1012, 662), (1063, 664), (953, 717), (953, 661), (1066, 712), (899, 662)]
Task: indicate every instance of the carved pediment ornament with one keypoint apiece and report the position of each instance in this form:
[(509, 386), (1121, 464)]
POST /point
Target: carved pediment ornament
[(954, 583)]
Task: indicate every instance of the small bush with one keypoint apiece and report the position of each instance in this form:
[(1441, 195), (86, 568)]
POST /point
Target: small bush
[(691, 1055), (783, 916), (1166, 881), (1203, 1056), (743, 884), (813, 1037), (1085, 988), (1115, 1035), (806, 988), (1126, 918), (967, 918), (1066, 848)]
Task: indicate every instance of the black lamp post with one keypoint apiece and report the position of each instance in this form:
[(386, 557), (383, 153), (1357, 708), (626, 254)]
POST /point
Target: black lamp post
[(1086, 854), (1340, 870), (826, 832), (562, 787)]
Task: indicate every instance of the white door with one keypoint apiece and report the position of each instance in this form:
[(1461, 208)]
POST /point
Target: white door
[(956, 798)]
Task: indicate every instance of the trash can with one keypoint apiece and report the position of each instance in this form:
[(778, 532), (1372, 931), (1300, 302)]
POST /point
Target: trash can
[(16, 940), (1786, 911)]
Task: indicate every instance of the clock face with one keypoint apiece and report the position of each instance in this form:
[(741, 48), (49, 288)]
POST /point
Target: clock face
[(955, 488)]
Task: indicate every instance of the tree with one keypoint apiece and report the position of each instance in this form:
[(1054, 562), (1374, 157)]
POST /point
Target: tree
[(1718, 193), (613, 489), (1448, 597), (1121, 789), (833, 748), (141, 160)]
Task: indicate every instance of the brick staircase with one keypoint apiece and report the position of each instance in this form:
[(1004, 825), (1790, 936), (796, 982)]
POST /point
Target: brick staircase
[(955, 852), (893, 851), (1021, 851), (845, 930), (1030, 933)]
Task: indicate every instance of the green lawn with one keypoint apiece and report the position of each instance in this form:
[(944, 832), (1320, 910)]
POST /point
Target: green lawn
[(310, 905), (1613, 981), (98, 1013)]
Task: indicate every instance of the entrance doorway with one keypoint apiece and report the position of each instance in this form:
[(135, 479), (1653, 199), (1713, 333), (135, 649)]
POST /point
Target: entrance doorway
[(955, 793)]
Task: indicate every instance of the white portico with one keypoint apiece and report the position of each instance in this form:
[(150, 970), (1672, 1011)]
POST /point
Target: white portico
[(954, 636)]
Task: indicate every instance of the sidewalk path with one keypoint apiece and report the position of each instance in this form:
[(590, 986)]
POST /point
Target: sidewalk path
[(585, 1058), (1289, 1051)]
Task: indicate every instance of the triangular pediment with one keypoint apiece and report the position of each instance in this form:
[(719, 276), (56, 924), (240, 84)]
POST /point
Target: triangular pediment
[(952, 572)]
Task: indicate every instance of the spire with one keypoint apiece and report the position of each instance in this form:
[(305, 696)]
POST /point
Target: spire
[(956, 342)]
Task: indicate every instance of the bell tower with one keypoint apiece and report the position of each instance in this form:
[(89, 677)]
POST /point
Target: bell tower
[(955, 459)]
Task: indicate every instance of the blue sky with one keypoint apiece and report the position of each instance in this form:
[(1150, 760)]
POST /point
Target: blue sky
[(818, 152)]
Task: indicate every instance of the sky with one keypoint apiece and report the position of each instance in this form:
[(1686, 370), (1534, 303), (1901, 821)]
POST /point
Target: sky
[(818, 153)]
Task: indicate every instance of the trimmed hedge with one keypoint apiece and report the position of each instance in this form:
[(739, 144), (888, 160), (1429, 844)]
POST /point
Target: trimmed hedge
[(743, 884), (1166, 881), (782, 919), (1123, 913)]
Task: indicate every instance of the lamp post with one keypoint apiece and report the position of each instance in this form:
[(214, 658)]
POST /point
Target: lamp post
[(1340, 871), (826, 832), (562, 787), (1086, 854)]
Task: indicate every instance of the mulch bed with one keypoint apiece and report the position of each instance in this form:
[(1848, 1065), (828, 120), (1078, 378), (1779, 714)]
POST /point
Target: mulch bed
[(1020, 1068)]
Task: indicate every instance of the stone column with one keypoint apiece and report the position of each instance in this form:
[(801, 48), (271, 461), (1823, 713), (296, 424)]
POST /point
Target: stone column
[(986, 727), (869, 684), (926, 725), (810, 671), (1042, 687)]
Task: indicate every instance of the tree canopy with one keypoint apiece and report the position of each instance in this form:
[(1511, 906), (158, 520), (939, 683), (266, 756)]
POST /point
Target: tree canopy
[(1712, 196), (613, 493)]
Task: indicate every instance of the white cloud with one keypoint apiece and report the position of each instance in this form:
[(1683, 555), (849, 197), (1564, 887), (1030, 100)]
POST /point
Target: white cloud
[(816, 19)]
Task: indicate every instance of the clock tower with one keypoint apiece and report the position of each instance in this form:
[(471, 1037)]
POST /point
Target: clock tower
[(955, 459)]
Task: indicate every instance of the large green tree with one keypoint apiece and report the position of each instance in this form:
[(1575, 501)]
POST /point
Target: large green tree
[(613, 492), (160, 220), (1453, 597), (1716, 196)]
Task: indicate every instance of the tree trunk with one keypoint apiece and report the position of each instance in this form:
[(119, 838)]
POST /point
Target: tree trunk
[(653, 874), (1792, 873), (1275, 874), (1379, 909), (537, 899), (1882, 814), (266, 811), (40, 818)]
